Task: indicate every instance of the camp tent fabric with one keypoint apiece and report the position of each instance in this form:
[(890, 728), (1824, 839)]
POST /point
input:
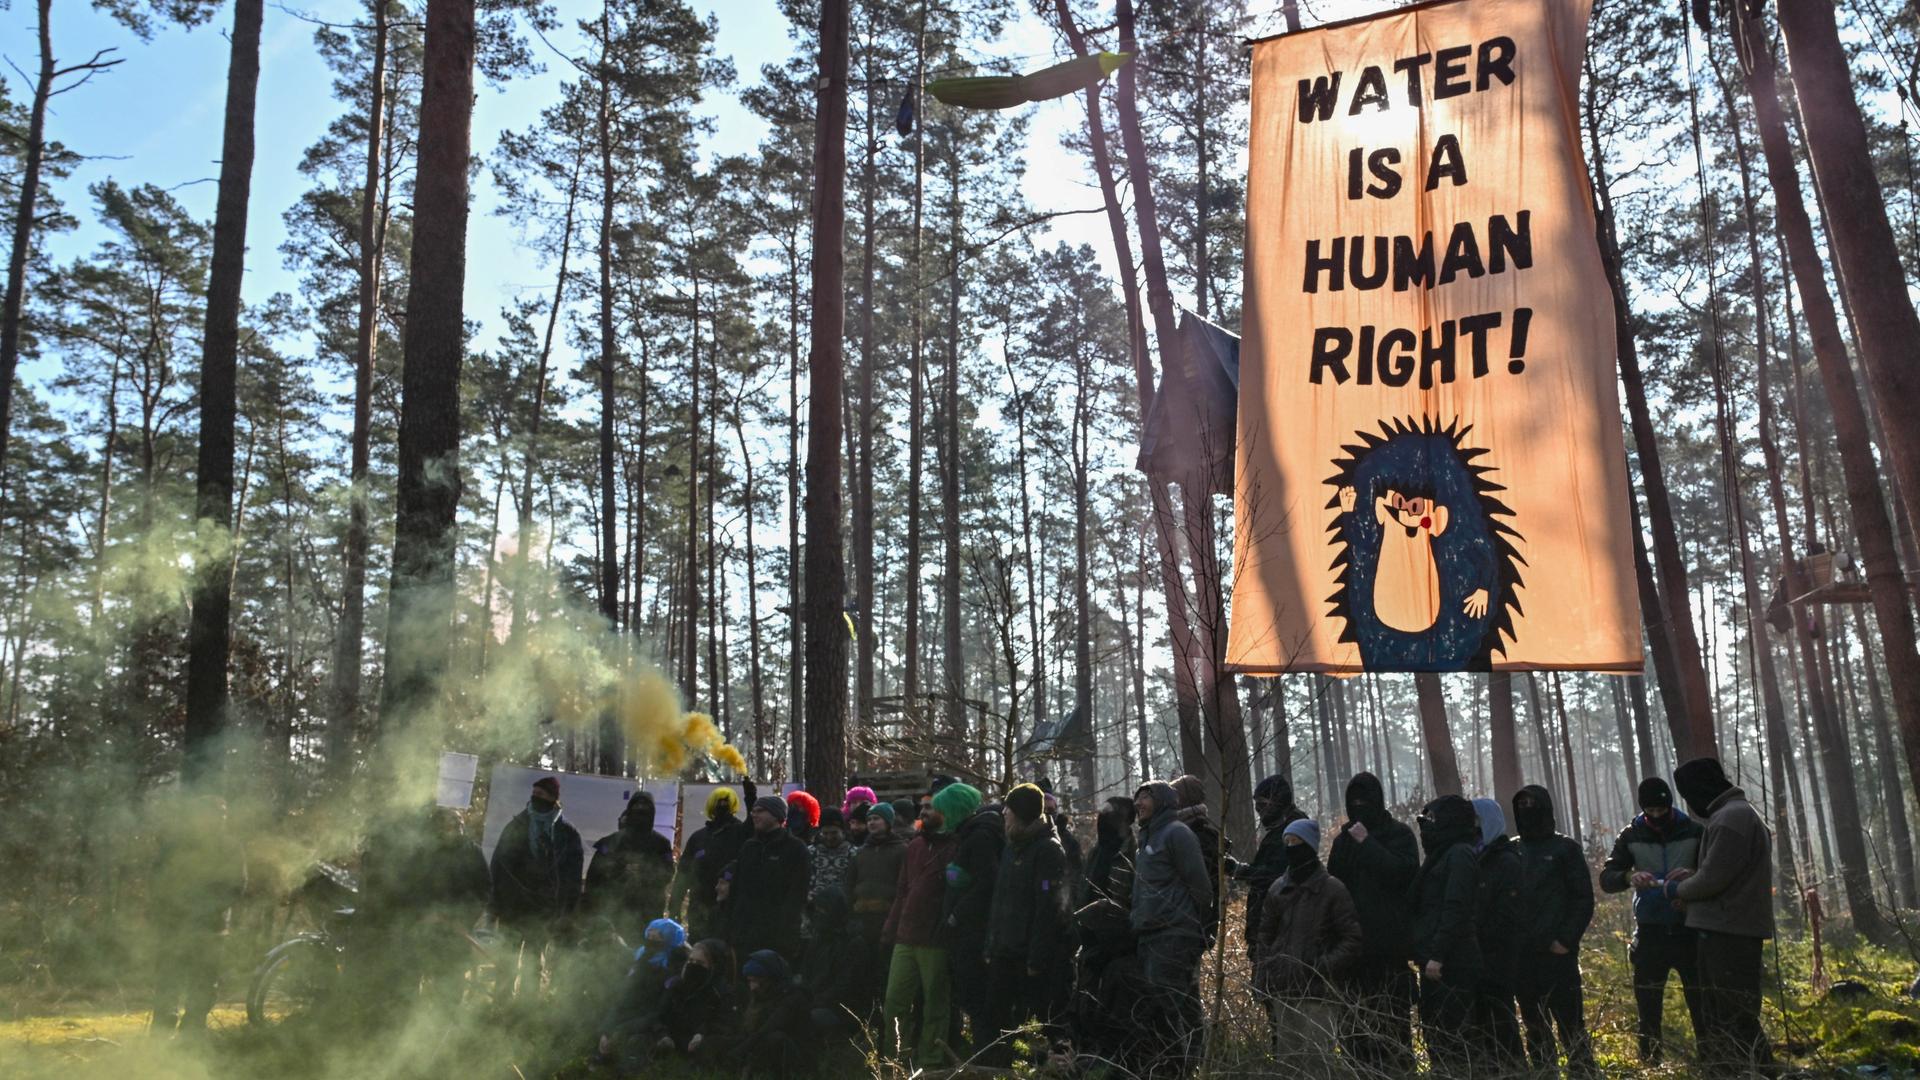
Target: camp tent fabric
[(1430, 474), (1189, 432)]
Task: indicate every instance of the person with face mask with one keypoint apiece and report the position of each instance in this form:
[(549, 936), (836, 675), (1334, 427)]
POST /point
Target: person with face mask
[(1728, 901), (767, 894), (536, 870), (629, 1026), (1172, 894), (1376, 858), (1026, 924), (698, 1007), (1660, 840), (1109, 874), (1273, 803), (1309, 936), (703, 859), (1446, 938), (1558, 888), (630, 870), (1498, 909)]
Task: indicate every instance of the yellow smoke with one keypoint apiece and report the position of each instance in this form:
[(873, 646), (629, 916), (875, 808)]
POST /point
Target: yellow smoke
[(665, 738)]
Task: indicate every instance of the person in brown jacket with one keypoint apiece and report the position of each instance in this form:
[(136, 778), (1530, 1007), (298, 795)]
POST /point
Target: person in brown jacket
[(1309, 938), (1728, 899), (871, 884)]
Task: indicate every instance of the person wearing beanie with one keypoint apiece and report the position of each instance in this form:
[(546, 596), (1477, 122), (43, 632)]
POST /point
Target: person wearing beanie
[(1193, 814), (872, 883), (1109, 873), (1498, 908), (830, 858), (1729, 904), (1273, 804), (1558, 886), (1660, 840), (1172, 894), (917, 967), (776, 1037), (1027, 923), (1069, 843), (906, 816), (1309, 936), (803, 815), (1446, 941), (536, 868), (767, 894), (703, 859), (1376, 858), (857, 824), (979, 834), (631, 868)]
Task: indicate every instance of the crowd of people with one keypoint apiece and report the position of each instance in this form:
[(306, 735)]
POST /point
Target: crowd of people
[(953, 928)]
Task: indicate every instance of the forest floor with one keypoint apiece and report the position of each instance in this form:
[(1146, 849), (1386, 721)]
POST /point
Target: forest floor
[(1868, 1030)]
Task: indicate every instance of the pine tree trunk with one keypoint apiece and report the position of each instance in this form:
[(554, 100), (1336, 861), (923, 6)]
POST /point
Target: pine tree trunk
[(427, 496), (917, 376), (1085, 763), (863, 458), (1866, 256), (1871, 521), (608, 752), (209, 633), (1886, 761), (1437, 736), (796, 652), (826, 715), (762, 730), (953, 648), (1576, 822), (1692, 725), (24, 216), (349, 639)]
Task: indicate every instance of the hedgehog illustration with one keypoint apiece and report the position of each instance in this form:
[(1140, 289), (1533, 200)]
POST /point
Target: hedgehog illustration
[(1428, 572)]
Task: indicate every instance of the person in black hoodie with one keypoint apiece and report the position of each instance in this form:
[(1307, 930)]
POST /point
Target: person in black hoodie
[(1446, 941), (699, 1006), (968, 902), (768, 891), (1027, 921), (1559, 891), (628, 876), (776, 1029), (829, 969), (1070, 844), (1273, 802), (706, 855), (1658, 841), (1376, 858), (1109, 874), (1500, 904), (1193, 814)]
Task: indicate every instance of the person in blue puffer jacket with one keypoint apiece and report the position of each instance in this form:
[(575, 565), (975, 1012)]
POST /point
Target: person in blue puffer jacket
[(1661, 839)]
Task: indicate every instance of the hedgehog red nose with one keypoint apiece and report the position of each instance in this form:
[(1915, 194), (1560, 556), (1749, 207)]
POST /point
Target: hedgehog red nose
[(1426, 523)]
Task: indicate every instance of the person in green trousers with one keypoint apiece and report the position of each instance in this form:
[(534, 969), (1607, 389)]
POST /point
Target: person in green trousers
[(918, 969)]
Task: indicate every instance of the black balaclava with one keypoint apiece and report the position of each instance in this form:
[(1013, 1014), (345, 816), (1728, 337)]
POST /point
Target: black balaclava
[(1701, 781), (1367, 800), (1110, 825), (637, 818), (1445, 822), (1536, 821), (1656, 795), (1301, 861), (1279, 795)]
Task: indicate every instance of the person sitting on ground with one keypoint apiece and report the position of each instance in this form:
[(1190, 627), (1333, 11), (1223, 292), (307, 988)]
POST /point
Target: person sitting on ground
[(776, 1031), (628, 1029), (699, 1007)]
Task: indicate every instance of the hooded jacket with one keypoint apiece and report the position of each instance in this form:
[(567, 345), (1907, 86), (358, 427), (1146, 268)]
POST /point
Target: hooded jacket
[(1027, 922), (1732, 890), (776, 1030), (1377, 872), (874, 880), (1110, 865), (705, 856), (1171, 889), (698, 1001), (526, 887), (768, 894), (1193, 814), (1498, 906), (1270, 859), (1309, 935), (628, 876), (1446, 892), (976, 861), (920, 892), (1656, 849), (824, 969), (1555, 881)]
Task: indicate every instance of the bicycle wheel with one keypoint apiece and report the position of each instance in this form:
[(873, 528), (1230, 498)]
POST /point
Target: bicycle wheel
[(290, 984)]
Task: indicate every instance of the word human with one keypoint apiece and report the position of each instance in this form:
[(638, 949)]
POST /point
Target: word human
[(1343, 262), (1449, 72)]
